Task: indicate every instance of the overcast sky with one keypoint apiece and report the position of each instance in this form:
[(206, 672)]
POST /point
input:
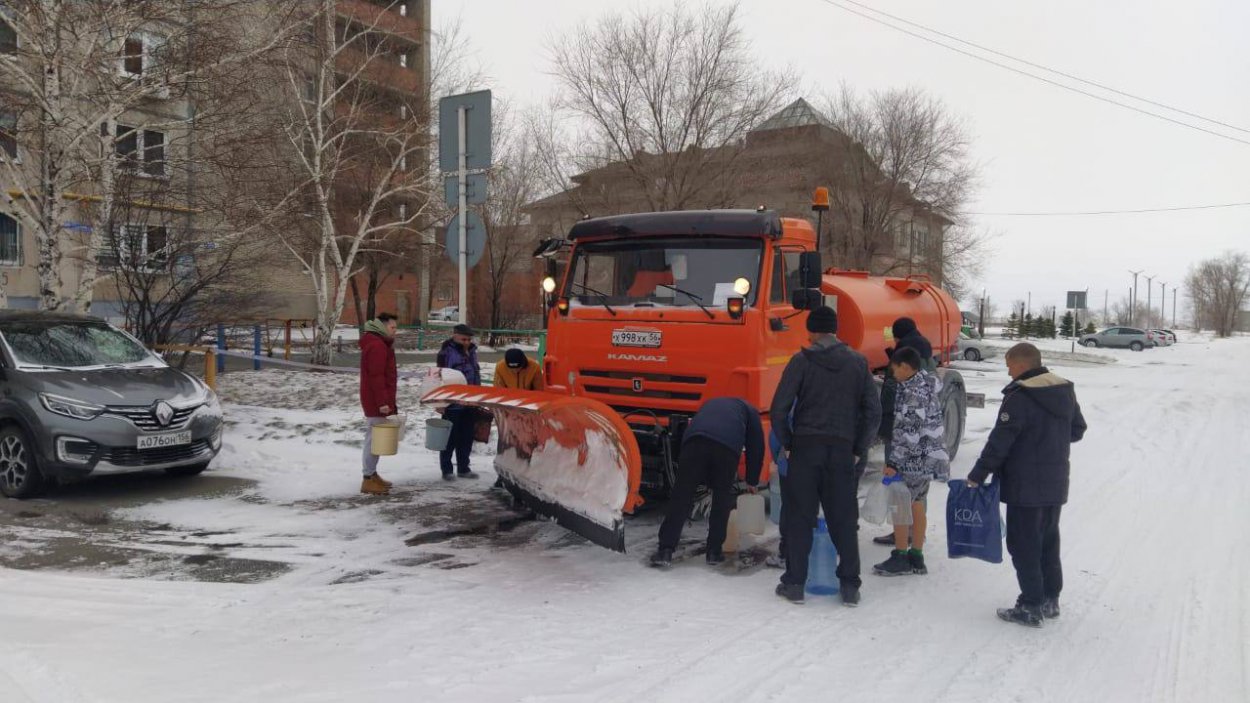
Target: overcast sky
[(1041, 148)]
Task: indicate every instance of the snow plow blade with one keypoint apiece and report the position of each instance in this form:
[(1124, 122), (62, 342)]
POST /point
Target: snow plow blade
[(568, 458)]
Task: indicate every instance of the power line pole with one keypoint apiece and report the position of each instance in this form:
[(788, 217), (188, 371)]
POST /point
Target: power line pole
[(1106, 297), (1150, 289), (1132, 300), (1173, 307), (1163, 301)]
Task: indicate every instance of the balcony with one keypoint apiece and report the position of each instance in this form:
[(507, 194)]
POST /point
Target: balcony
[(381, 71), (383, 20)]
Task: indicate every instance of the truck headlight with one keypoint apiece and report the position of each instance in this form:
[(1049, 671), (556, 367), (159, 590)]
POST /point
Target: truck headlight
[(77, 409)]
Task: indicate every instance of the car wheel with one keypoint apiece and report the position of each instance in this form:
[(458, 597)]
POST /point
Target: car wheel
[(20, 476), (1090, 343), (1136, 346), (972, 355), (193, 470)]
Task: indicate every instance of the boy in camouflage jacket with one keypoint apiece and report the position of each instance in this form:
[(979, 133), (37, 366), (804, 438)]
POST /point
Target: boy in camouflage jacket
[(917, 452)]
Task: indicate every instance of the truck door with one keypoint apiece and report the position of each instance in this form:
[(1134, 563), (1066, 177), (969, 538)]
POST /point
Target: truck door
[(784, 332)]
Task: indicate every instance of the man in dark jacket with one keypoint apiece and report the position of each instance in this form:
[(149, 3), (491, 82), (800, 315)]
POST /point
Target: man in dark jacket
[(906, 336), (1028, 452), (836, 413), (378, 382), (714, 440), (460, 353)]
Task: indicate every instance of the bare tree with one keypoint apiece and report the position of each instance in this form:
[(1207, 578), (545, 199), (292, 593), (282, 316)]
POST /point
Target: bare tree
[(903, 175), (91, 85), (1217, 288), (666, 96), (359, 152)]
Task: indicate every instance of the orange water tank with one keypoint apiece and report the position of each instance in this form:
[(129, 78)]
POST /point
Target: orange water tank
[(868, 306)]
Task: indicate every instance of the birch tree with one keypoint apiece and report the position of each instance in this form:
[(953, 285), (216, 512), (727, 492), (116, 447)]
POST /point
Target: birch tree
[(1218, 290), (88, 80), (358, 150)]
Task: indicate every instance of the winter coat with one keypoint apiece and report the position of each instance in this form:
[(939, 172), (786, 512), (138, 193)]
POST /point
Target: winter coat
[(918, 444), (1028, 448), (454, 356), (833, 395), (529, 378), (378, 376), (731, 423)]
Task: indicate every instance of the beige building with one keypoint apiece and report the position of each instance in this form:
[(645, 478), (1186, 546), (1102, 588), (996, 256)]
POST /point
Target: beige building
[(781, 163)]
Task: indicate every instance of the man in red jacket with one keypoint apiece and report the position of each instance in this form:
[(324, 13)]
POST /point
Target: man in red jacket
[(378, 381)]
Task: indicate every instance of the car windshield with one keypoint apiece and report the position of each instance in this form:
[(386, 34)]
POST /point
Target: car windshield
[(664, 271), (71, 344)]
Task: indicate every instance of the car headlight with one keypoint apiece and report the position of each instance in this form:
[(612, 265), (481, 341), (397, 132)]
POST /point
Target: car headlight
[(77, 409)]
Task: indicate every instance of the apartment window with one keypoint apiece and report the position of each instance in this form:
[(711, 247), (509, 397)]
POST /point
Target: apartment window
[(10, 241), (8, 38), (139, 54), (136, 247), (141, 150), (8, 135)]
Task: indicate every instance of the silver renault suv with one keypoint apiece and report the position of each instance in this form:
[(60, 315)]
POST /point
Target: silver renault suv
[(79, 397)]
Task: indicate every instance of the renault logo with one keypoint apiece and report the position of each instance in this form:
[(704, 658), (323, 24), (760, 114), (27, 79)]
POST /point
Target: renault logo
[(637, 385), (164, 413)]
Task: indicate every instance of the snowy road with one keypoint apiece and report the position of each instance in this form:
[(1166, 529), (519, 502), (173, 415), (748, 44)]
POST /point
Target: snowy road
[(1155, 605)]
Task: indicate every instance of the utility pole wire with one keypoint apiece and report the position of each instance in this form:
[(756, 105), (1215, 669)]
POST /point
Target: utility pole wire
[(1026, 62), (1108, 212), (1057, 84)]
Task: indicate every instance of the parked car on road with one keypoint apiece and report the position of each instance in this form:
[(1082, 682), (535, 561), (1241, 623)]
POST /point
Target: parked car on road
[(79, 397), (451, 313), (1120, 337), (1164, 338), (969, 348)]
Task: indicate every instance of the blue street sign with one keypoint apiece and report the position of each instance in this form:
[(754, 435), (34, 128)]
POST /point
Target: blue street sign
[(477, 131), (475, 190), (476, 232)]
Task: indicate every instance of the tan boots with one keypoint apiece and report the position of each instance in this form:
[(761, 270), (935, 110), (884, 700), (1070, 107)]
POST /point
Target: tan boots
[(375, 485)]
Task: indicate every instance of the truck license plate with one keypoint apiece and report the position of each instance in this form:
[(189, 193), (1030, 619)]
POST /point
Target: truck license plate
[(161, 441), (635, 338)]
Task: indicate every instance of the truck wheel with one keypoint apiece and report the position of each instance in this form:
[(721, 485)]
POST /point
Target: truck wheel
[(954, 409), (20, 476), (1136, 346)]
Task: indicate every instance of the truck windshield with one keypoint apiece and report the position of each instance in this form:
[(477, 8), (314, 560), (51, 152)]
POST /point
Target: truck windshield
[(681, 272)]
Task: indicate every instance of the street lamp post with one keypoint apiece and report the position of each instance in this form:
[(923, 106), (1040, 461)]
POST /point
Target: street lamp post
[(1150, 289), (1163, 301)]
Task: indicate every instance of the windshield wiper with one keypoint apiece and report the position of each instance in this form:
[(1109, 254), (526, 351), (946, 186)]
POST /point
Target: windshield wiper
[(694, 298), (603, 297), (46, 367)]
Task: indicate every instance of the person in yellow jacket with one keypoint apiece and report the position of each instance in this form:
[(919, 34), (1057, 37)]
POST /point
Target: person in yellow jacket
[(516, 371)]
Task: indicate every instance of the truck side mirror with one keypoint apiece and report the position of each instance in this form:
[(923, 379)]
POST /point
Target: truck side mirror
[(810, 270), (806, 299)]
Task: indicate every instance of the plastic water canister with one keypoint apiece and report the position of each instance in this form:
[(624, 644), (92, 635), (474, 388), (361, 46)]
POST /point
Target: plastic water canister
[(751, 514), (876, 506), (774, 498), (900, 503), (822, 563), (437, 433), (731, 533)]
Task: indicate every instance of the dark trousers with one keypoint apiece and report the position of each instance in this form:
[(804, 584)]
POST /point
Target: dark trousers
[(820, 475), (1033, 541), (702, 461), (461, 442)]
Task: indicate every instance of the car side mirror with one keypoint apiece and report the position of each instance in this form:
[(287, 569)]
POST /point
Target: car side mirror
[(810, 269), (806, 299)]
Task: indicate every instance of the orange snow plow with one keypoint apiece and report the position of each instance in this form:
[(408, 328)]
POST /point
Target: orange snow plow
[(569, 458)]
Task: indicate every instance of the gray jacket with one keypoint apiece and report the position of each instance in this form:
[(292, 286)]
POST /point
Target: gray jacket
[(833, 396)]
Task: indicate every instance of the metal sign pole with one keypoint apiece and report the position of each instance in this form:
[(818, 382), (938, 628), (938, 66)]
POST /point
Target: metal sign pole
[(463, 177)]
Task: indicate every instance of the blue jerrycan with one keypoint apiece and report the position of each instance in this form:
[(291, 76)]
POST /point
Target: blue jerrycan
[(822, 563)]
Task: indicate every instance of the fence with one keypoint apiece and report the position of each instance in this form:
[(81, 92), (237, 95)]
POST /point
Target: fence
[(211, 364)]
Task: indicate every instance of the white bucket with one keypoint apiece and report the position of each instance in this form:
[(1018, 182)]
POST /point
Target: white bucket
[(385, 440), (437, 433)]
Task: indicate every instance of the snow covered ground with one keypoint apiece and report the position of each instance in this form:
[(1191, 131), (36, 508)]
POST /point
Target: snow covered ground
[(377, 605)]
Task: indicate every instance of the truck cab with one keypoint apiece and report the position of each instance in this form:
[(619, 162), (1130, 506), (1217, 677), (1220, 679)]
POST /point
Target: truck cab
[(659, 312)]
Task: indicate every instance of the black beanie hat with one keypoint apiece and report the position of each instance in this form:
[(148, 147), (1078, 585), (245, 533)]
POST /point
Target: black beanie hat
[(903, 326), (822, 320), (515, 359)]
